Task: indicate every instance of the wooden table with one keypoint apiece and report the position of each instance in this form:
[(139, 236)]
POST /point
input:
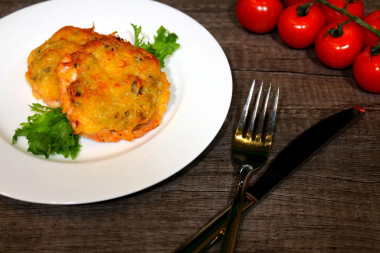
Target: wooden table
[(332, 204)]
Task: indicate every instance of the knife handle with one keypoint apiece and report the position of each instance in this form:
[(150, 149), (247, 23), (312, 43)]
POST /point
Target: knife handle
[(212, 232)]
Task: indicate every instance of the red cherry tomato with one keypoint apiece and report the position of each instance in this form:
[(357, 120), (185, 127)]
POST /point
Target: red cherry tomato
[(258, 16), (367, 71), (300, 32), (372, 19), (288, 3), (355, 7), (339, 52)]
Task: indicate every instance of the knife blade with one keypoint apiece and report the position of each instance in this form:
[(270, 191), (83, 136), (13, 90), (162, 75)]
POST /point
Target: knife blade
[(291, 158)]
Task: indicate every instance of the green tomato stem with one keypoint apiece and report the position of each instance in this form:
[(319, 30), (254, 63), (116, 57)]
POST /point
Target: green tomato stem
[(375, 50), (303, 9), (356, 19)]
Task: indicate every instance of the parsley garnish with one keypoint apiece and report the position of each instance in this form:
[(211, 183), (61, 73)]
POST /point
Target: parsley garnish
[(48, 132), (165, 43)]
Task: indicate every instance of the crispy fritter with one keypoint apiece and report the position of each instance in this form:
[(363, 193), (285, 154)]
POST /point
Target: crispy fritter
[(43, 61), (112, 90)]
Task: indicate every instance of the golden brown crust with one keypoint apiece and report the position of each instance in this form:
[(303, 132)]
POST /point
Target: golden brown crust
[(112, 90), (43, 61)]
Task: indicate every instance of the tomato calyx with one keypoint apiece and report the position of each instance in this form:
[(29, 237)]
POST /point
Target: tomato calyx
[(337, 31), (375, 50), (303, 9), (351, 1)]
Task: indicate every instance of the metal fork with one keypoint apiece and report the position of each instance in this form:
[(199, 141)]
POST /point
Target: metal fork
[(250, 150)]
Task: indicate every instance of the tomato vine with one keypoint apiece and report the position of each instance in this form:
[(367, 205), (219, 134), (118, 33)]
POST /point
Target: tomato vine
[(356, 19)]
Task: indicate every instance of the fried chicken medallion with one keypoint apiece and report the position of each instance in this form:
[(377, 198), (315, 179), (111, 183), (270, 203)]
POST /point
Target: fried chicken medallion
[(112, 90), (43, 61)]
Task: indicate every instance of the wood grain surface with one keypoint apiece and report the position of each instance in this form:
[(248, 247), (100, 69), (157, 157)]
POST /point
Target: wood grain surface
[(332, 204)]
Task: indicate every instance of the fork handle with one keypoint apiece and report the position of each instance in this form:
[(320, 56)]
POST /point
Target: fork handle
[(211, 233), (233, 222)]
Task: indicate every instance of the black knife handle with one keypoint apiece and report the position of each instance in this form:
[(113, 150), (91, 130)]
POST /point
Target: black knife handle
[(291, 158)]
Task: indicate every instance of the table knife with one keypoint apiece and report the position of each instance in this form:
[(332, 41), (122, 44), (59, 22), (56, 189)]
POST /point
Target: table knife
[(291, 158)]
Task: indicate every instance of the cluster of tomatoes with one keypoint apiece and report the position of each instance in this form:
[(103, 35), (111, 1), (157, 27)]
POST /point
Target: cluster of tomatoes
[(338, 42)]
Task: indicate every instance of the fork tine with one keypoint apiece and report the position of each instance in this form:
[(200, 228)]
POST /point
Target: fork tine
[(272, 120), (254, 113), (260, 126), (243, 117)]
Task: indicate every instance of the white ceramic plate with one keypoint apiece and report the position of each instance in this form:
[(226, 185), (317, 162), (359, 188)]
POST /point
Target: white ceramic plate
[(200, 98)]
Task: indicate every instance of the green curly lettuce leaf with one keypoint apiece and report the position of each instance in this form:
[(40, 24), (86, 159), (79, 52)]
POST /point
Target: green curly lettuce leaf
[(48, 132), (165, 43)]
